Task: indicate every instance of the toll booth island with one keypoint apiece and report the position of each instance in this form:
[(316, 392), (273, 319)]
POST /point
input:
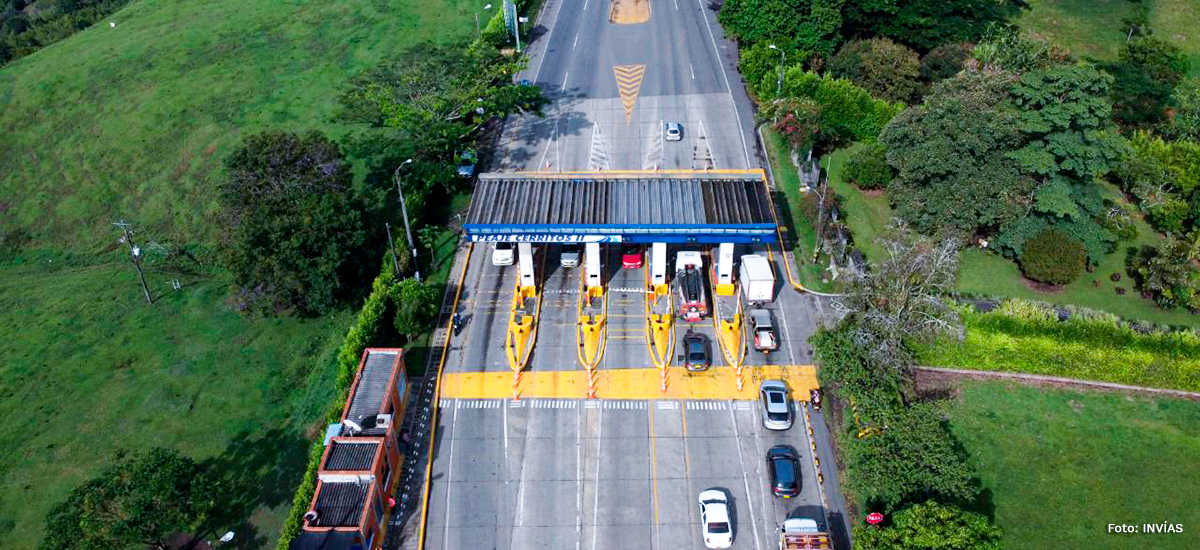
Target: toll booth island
[(702, 216)]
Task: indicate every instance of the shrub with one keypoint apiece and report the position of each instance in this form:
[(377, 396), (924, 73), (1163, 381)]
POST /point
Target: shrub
[(888, 70), (846, 108), (1169, 215), (1168, 272), (945, 61), (1053, 257), (868, 168), (416, 307)]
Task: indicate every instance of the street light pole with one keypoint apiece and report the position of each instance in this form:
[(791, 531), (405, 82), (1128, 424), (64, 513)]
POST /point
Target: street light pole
[(477, 30), (782, 57), (404, 212)]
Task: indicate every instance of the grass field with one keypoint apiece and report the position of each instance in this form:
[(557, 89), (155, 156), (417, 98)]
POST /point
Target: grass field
[(1061, 465), (87, 367), (1091, 28), (132, 121), (866, 215)]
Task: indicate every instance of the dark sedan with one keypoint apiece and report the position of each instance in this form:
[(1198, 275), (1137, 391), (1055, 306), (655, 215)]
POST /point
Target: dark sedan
[(784, 467)]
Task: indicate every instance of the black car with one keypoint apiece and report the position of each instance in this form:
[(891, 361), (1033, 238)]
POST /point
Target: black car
[(784, 467), (697, 351)]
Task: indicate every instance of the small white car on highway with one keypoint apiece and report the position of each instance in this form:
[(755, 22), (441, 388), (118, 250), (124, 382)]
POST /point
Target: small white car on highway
[(714, 519), (503, 254), (674, 131)]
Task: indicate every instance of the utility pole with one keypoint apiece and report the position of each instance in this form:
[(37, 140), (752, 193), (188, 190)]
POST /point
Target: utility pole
[(395, 261), (136, 253), (404, 212)]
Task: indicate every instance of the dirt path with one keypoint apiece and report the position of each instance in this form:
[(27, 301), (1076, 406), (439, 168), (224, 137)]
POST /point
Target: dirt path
[(932, 378)]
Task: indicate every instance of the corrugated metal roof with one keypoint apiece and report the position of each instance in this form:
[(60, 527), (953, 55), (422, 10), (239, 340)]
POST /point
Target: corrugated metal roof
[(372, 385), (340, 504), (351, 456), (557, 199)]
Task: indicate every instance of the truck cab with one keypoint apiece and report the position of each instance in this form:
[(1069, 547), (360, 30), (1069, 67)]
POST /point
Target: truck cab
[(802, 534), (763, 328)]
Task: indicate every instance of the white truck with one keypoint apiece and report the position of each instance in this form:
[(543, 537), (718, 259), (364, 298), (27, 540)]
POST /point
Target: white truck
[(757, 279), (802, 534)]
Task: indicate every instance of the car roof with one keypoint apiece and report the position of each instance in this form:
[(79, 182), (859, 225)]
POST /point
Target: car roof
[(718, 512)]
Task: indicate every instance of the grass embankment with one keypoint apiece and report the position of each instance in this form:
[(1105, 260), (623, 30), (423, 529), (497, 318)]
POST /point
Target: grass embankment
[(1092, 28), (88, 368), (132, 122), (1061, 465), (802, 233), (1089, 349), (866, 215)]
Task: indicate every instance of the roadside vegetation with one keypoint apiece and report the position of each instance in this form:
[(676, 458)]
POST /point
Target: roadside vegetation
[(1060, 464), (1028, 337)]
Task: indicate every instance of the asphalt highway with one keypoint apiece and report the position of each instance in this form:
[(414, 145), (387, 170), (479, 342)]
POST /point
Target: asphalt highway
[(614, 86)]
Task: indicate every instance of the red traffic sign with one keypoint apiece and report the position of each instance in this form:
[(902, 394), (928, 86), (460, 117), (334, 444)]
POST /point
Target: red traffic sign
[(874, 518)]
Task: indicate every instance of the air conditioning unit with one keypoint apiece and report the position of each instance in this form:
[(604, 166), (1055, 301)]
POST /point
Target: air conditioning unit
[(383, 420)]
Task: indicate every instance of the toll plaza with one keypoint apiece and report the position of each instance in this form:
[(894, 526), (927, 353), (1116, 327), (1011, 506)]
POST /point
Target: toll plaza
[(621, 285)]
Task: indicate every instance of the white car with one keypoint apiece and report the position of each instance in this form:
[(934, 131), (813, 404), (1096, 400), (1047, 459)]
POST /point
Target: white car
[(714, 519), (570, 256), (775, 411), (503, 254), (674, 131)]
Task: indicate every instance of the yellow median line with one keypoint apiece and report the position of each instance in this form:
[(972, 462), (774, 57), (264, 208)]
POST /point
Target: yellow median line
[(634, 383), (433, 417)]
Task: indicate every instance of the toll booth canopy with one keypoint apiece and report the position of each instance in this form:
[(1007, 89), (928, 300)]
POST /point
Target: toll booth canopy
[(685, 207)]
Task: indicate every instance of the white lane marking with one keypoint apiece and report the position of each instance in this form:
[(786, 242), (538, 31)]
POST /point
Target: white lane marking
[(576, 42), (553, 139), (745, 480), (579, 427), (596, 482), (585, 4), (565, 75), (717, 52), (542, 61), (693, 69), (506, 433), (449, 479), (676, 5)]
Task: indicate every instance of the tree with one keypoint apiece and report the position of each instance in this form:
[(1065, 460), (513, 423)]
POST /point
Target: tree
[(801, 122), (904, 297), (914, 458), (1164, 177), (930, 526), (953, 173), (1169, 273), (416, 307), (1146, 74), (926, 24), (888, 70), (810, 25), (1053, 257), (945, 61), (1006, 48), (1185, 103), (847, 110), (292, 227), (139, 501), (868, 168), (849, 371)]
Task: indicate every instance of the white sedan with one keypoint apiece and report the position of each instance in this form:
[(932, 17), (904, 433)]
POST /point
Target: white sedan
[(714, 519)]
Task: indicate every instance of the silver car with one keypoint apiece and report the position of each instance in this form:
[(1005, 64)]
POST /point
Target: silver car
[(569, 256), (674, 131), (776, 413)]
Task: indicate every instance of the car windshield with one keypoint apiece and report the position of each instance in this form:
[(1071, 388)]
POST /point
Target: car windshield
[(696, 350), (718, 527), (630, 251), (504, 246), (777, 416)]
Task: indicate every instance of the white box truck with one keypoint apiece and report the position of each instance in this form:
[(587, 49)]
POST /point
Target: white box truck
[(757, 279)]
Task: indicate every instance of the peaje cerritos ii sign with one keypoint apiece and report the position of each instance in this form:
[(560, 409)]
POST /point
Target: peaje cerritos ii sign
[(536, 238)]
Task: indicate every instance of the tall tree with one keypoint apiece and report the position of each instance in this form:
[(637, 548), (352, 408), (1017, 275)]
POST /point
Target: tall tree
[(138, 502), (914, 458), (812, 25), (927, 24), (888, 70), (953, 173), (293, 229), (1147, 72)]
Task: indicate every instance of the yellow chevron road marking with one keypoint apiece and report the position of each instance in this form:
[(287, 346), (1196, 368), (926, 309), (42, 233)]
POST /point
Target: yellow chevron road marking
[(629, 85), (629, 12)]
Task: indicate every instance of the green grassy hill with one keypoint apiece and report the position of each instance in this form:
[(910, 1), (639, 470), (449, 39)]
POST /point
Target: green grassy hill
[(132, 122)]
